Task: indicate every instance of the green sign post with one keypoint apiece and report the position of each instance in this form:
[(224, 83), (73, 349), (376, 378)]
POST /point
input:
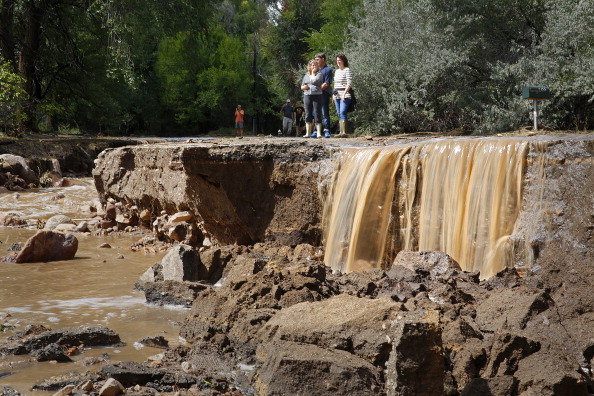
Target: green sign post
[(536, 94)]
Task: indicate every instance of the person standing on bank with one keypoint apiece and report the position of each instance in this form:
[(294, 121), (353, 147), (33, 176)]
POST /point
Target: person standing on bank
[(312, 97), (299, 118), (326, 91), (239, 113), (288, 115), (342, 85)]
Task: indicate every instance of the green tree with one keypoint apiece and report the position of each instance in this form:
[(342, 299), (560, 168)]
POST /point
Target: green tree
[(337, 15), (204, 78), (284, 47), (12, 100)]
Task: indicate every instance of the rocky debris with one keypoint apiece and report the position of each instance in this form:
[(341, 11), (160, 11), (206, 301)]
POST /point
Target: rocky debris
[(8, 391), (155, 342), (70, 382), (47, 246), (278, 322), (10, 219), (15, 173), (171, 292), (35, 340)]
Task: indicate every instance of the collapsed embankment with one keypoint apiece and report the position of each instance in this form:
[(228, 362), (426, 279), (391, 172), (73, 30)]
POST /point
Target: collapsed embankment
[(419, 326)]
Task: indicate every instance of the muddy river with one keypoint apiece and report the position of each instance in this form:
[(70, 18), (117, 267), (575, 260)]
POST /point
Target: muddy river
[(96, 288)]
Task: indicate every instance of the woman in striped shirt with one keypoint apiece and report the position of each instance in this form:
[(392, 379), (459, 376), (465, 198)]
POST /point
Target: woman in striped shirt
[(342, 85)]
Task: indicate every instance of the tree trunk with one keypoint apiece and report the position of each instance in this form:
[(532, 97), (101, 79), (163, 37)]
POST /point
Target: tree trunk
[(30, 51), (6, 30)]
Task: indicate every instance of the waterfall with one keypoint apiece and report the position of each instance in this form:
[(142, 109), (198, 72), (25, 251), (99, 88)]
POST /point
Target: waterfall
[(461, 197)]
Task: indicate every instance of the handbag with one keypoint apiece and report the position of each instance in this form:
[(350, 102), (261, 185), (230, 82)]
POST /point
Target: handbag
[(353, 102)]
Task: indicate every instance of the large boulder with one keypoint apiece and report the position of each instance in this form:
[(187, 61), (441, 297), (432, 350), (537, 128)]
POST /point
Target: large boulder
[(48, 246), (302, 369), (57, 220), (18, 166)]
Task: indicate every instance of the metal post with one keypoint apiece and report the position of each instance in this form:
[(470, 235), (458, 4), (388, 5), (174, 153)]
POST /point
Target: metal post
[(535, 115)]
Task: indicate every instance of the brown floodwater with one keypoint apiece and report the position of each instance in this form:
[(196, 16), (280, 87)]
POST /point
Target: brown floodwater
[(95, 288)]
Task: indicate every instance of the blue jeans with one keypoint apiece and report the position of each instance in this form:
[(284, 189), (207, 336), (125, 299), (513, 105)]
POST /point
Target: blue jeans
[(341, 107), (326, 110)]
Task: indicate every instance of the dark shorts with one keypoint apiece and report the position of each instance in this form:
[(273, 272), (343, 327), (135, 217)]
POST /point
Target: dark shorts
[(238, 125)]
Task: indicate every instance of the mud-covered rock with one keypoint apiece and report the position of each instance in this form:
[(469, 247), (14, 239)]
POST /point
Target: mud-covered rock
[(171, 292), (360, 326), (416, 363), (67, 337), (131, 373), (48, 246), (290, 368)]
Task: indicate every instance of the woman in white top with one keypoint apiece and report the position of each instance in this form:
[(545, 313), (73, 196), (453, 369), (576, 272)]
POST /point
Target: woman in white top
[(312, 98), (342, 86)]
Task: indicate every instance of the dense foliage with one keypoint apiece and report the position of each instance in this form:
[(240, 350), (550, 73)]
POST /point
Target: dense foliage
[(179, 67)]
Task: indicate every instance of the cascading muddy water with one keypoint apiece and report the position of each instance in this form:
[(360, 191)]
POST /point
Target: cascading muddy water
[(357, 212), (461, 197)]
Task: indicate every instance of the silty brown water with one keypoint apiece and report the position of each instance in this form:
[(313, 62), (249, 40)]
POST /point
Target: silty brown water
[(96, 288)]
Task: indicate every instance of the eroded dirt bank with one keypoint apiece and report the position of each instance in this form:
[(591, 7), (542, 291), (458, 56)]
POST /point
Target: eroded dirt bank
[(411, 328)]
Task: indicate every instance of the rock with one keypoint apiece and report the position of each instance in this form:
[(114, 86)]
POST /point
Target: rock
[(11, 219), (86, 386), (83, 226), (171, 292), (110, 211), (155, 342), (38, 338), (58, 382), (145, 215), (214, 261), (17, 165), (507, 351), (56, 220), (416, 365), (505, 385), (181, 216), (104, 246), (52, 351), (111, 387), (8, 391), (290, 368), (181, 263), (47, 246), (435, 263), (65, 391), (131, 373), (65, 228), (359, 325), (121, 219), (550, 373), (515, 307)]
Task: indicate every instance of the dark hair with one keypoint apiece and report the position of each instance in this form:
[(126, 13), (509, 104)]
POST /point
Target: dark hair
[(344, 59), (320, 55)]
